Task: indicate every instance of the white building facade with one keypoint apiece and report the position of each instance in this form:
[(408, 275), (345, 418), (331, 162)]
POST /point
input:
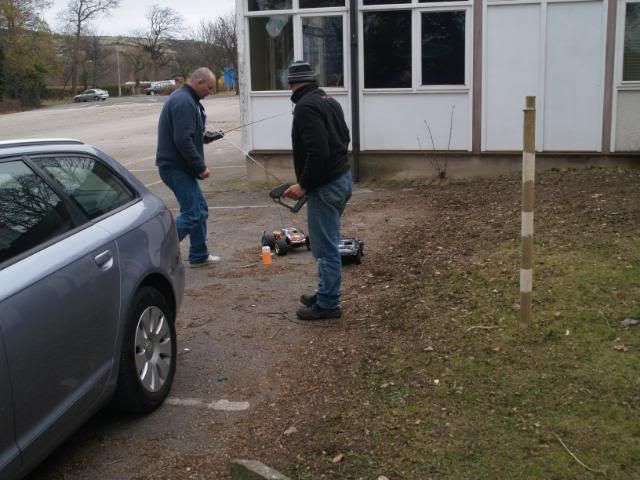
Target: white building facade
[(420, 78)]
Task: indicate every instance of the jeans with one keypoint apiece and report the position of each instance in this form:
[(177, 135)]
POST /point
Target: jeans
[(325, 206), (194, 211)]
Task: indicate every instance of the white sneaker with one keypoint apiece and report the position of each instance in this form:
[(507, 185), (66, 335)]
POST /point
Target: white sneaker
[(209, 261)]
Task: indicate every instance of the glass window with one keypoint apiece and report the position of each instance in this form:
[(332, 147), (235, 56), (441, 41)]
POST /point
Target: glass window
[(443, 46), (384, 2), (631, 62), (321, 3), (94, 188), (259, 5), (387, 49), (322, 39), (271, 47), (30, 211)]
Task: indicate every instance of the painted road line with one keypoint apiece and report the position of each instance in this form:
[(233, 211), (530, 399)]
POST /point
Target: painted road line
[(141, 170), (153, 183), (224, 404)]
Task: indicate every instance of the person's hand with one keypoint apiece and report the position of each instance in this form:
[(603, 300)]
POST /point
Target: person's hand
[(209, 137), (204, 174), (295, 192)]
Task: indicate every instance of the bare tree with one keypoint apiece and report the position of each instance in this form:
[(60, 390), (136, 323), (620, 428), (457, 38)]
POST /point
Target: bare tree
[(164, 25), (95, 59), (187, 57), (137, 59), (76, 18), (218, 42)]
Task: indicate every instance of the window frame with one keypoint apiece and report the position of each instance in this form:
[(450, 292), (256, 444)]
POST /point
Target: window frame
[(74, 213), (86, 221), (297, 14), (417, 9), (624, 85), (78, 218)]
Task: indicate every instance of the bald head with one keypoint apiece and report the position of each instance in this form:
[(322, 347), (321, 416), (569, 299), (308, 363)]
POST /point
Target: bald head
[(202, 80)]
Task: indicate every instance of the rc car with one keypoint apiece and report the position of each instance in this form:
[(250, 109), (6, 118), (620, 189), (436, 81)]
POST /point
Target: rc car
[(351, 250), (285, 239)]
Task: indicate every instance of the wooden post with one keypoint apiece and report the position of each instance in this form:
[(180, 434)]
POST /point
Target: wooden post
[(528, 182)]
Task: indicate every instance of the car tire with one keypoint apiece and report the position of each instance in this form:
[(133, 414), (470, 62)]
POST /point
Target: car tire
[(271, 240), (149, 353), (281, 247), (307, 242), (76, 100), (96, 99), (152, 93)]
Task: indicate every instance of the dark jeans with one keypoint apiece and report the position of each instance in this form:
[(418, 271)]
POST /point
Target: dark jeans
[(324, 208), (194, 211)]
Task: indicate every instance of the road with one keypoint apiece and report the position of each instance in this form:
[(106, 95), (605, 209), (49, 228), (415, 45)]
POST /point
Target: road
[(235, 325)]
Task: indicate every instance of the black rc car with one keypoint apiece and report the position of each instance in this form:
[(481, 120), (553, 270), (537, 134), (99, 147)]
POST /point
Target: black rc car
[(285, 239), (351, 250)]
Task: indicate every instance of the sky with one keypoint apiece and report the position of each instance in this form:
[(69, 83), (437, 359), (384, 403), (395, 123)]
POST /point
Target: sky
[(130, 15)]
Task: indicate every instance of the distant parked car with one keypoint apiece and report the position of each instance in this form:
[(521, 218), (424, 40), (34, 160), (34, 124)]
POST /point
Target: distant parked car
[(91, 281), (91, 94), (159, 87)]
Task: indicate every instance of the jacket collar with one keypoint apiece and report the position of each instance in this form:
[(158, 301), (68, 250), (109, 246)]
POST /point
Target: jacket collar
[(302, 91), (192, 92)]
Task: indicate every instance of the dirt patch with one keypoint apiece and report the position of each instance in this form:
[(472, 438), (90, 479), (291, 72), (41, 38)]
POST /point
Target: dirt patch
[(429, 376)]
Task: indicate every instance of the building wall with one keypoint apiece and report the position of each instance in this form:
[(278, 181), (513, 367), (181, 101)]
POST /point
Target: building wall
[(555, 50)]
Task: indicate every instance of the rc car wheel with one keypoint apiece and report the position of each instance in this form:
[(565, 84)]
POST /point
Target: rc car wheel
[(358, 258), (96, 98), (281, 247), (76, 100), (148, 356), (271, 240), (307, 242)]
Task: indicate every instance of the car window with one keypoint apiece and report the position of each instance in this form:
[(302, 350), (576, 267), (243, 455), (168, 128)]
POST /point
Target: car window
[(30, 211), (91, 185)]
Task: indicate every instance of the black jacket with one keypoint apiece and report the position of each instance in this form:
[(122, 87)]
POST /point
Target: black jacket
[(319, 136), (180, 130)]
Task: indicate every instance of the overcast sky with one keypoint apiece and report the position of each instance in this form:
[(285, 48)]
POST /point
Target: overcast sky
[(130, 15)]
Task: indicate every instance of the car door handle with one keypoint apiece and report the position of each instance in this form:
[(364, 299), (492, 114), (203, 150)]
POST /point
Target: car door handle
[(102, 259)]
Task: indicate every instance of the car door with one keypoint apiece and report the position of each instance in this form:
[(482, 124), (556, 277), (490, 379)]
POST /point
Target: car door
[(59, 307), (9, 452)]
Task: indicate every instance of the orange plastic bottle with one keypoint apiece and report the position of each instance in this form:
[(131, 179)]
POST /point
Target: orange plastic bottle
[(266, 255)]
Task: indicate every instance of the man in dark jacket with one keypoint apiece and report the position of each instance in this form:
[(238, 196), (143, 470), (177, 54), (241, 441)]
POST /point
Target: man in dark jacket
[(180, 160), (320, 139)]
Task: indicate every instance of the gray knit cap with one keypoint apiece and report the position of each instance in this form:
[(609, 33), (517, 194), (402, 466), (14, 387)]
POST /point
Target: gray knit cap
[(301, 72)]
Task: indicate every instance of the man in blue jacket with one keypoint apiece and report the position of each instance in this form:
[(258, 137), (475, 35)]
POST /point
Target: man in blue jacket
[(180, 160), (320, 138)]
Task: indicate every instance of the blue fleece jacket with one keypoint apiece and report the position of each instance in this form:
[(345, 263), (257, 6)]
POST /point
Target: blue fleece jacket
[(180, 131)]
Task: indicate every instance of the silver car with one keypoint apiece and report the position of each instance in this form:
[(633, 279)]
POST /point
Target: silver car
[(91, 94), (90, 283)]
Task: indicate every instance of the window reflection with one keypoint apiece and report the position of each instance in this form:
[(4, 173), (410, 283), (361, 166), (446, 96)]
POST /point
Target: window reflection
[(631, 62), (322, 38), (259, 5), (443, 47), (271, 49), (321, 3), (387, 49), (89, 183), (30, 211)]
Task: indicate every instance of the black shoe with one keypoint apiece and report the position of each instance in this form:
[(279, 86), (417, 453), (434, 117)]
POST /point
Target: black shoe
[(309, 300), (315, 312)]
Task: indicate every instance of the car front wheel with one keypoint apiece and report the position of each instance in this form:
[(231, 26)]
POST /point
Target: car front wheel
[(148, 356)]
